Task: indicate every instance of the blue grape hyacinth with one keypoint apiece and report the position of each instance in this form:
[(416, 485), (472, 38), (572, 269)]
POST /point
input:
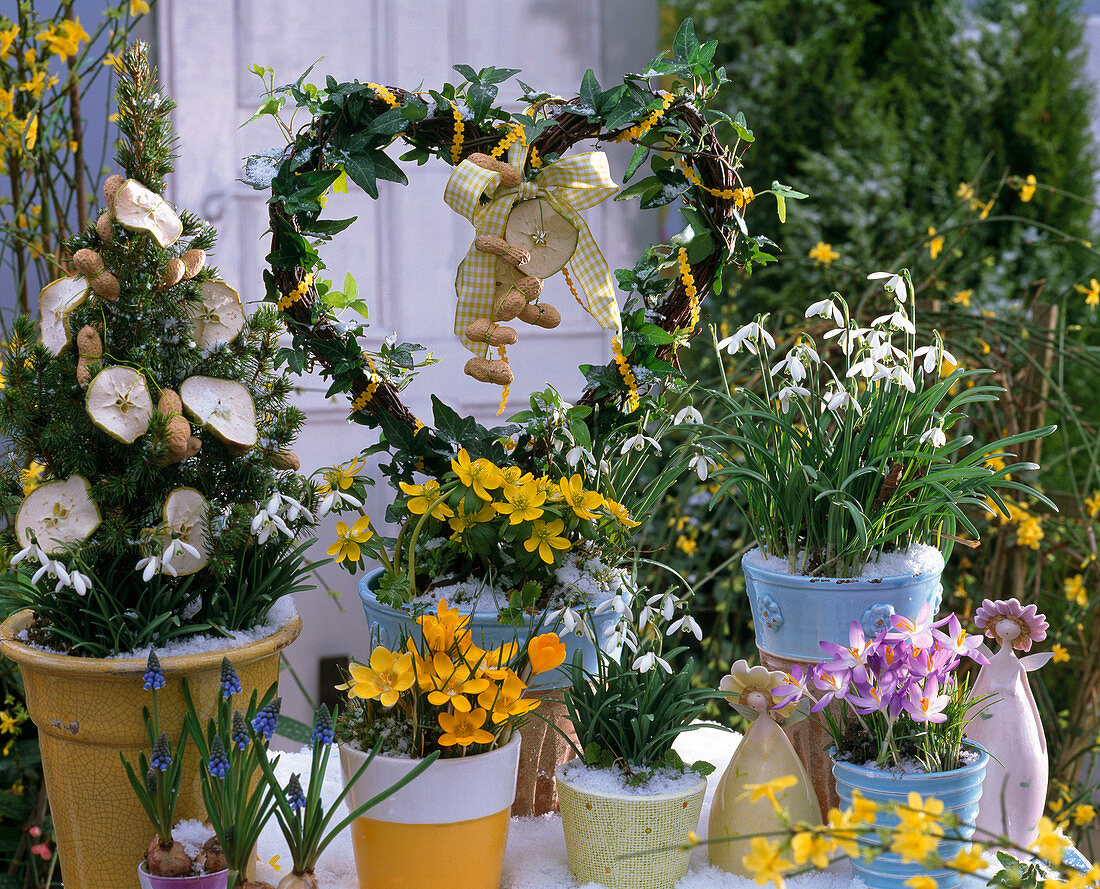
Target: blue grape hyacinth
[(239, 734), (322, 727), (218, 764), (294, 794), (162, 754), (153, 677), (267, 719), (231, 682)]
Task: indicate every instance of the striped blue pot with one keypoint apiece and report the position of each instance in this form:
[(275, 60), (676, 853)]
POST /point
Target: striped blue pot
[(792, 613), (387, 625), (960, 791)]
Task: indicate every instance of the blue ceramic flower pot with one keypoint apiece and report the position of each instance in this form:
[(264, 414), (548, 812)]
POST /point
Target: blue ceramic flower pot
[(792, 613), (960, 791), (387, 625)]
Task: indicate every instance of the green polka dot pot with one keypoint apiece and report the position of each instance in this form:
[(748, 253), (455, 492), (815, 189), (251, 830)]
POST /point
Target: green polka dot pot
[(628, 842)]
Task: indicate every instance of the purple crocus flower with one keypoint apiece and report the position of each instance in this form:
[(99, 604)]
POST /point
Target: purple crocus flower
[(959, 642), (852, 659), (797, 688), (916, 631), (924, 703), (832, 685)]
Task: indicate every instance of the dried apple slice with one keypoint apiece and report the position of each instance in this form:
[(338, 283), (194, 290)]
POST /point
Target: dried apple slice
[(55, 304), (59, 513), (219, 318), (186, 514), (118, 402), (222, 406), (544, 233), (137, 208)]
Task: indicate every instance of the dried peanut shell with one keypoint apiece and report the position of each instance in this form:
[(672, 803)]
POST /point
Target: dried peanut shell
[(485, 331), (193, 261), (174, 273), (485, 371), (541, 315), (509, 175)]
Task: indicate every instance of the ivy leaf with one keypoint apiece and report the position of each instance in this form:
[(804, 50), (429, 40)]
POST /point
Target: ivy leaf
[(469, 73), (385, 168), (590, 90), (684, 44), (389, 123), (639, 157), (361, 169), (480, 98), (271, 105), (740, 126)]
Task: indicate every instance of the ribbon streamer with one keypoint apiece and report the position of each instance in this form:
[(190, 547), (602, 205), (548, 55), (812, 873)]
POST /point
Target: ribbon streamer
[(569, 184)]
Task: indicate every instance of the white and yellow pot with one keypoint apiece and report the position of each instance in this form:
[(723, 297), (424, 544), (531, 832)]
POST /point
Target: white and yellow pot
[(447, 828), (628, 841)]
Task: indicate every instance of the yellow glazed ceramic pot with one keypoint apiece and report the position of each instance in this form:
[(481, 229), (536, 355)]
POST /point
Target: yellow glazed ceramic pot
[(87, 710), (605, 833), (445, 829)]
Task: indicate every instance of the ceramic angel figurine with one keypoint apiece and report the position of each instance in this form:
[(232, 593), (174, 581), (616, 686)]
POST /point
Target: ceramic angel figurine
[(765, 773), (1015, 788)]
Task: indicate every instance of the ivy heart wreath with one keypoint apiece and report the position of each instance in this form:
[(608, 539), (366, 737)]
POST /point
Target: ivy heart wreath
[(694, 152)]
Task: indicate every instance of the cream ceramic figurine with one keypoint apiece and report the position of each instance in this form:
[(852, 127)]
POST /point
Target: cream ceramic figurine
[(765, 773), (1009, 727)]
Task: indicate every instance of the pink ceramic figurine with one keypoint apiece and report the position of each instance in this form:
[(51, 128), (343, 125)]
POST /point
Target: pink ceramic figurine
[(1015, 788)]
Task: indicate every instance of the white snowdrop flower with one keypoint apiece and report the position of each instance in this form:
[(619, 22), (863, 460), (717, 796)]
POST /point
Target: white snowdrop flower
[(703, 466), (272, 505), (865, 367), (899, 374), (645, 615), (639, 442), (666, 602), (605, 467), (30, 550), (794, 364), (334, 497), (842, 398), (81, 583), (934, 355), (848, 338), (787, 393), (606, 605), (577, 454), (687, 415), (648, 661), (53, 568), (748, 336), (149, 566), (826, 308), (897, 320), (686, 623), (292, 508), (935, 435), (895, 284)]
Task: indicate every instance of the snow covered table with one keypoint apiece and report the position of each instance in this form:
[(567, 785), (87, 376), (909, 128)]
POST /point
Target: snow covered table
[(536, 846)]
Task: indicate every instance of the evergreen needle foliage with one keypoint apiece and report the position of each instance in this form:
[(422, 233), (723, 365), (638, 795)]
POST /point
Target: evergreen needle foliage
[(93, 597)]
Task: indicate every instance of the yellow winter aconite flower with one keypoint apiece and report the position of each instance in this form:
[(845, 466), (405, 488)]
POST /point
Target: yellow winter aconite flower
[(765, 863), (1027, 189), (462, 521), (388, 675), (463, 729), (935, 242), (348, 540), (582, 501), (768, 790), (620, 513), (340, 477), (513, 478), (811, 847), (425, 497), (480, 475), (1092, 292), (823, 254), (968, 861), (1075, 590), (1049, 844), (545, 538), (522, 503), (1060, 653)]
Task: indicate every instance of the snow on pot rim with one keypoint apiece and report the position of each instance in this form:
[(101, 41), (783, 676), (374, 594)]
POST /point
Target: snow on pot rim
[(918, 560), (672, 787), (449, 790)]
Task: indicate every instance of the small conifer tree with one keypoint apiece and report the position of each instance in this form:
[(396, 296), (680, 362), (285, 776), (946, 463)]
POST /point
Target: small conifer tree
[(149, 466)]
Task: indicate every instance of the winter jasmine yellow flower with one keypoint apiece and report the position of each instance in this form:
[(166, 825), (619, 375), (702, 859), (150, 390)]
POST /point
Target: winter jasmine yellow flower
[(440, 630), (63, 39), (8, 723), (1027, 190), (965, 191), (1030, 532), (922, 881), (545, 538), (582, 501), (765, 863), (452, 682), (620, 513), (962, 298), (935, 242), (912, 844), (138, 7), (986, 207), (388, 675), (811, 847), (1049, 844), (687, 544), (427, 496), (863, 810), (348, 540), (1092, 505), (922, 814), (37, 84), (968, 861), (7, 38), (823, 254), (1084, 814), (545, 652), (463, 729), (523, 503), (768, 790), (506, 700), (844, 831), (1060, 653), (1092, 292), (480, 475), (112, 59), (32, 476), (1075, 590)]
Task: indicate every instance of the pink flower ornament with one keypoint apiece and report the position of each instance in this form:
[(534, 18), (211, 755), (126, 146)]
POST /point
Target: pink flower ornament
[(1006, 621)]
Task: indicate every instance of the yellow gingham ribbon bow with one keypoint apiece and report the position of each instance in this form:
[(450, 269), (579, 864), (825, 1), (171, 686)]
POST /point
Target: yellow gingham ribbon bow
[(569, 184)]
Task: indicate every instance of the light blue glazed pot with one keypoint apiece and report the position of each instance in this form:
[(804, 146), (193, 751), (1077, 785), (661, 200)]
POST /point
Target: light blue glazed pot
[(960, 791), (388, 624), (792, 613)]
